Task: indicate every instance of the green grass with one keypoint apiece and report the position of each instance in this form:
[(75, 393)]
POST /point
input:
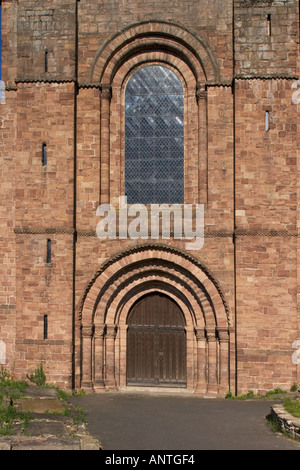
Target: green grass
[(250, 394), (271, 394), (292, 406), (7, 384), (294, 387), (38, 377), (11, 390), (8, 416), (277, 391), (81, 415)]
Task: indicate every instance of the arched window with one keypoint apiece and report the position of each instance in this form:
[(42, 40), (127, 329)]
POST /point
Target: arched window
[(154, 137)]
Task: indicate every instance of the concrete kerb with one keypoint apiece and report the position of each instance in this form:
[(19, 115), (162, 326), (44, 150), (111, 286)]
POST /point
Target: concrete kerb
[(287, 422)]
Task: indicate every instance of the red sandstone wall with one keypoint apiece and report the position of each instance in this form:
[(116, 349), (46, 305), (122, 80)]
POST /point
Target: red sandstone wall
[(45, 193), (9, 9), (99, 21), (88, 157), (266, 188), (44, 289), (7, 236), (255, 175), (46, 25), (261, 48), (44, 210)]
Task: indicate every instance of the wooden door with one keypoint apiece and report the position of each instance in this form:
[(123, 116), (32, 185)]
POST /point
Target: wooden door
[(156, 343)]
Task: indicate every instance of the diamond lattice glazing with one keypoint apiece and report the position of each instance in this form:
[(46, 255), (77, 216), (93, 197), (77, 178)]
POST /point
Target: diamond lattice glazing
[(154, 152)]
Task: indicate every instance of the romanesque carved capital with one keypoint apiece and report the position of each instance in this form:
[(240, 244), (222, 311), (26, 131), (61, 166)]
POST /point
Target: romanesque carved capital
[(99, 331), (87, 330), (106, 92), (223, 335), (201, 92), (200, 334), (211, 334), (111, 331)]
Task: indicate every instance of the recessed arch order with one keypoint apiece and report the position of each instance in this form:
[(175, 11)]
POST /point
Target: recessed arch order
[(125, 279), (191, 59), (144, 37)]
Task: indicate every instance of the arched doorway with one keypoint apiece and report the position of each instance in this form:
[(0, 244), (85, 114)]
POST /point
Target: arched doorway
[(156, 343), (113, 307)]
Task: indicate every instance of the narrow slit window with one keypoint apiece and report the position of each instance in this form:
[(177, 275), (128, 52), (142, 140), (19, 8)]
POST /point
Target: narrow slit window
[(48, 251), (44, 154), (45, 326), (46, 60), (269, 24), (267, 121)]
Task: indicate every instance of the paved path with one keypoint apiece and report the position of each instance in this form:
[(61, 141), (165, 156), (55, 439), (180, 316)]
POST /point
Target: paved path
[(154, 422)]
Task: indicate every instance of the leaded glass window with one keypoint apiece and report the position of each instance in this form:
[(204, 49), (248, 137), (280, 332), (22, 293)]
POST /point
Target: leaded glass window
[(154, 131)]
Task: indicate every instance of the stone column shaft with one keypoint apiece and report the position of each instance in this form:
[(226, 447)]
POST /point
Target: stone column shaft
[(201, 95), (99, 356), (212, 384), (223, 335), (105, 144), (201, 361), (110, 336), (87, 334)]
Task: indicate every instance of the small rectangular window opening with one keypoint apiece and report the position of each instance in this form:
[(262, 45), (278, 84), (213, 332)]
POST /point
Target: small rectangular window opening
[(267, 121), (44, 154), (48, 251), (45, 326), (269, 24), (46, 60)]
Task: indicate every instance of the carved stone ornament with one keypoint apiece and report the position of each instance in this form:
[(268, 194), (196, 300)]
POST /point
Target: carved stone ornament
[(99, 331), (223, 335), (87, 330), (211, 334), (200, 334), (201, 92), (111, 331), (106, 92)]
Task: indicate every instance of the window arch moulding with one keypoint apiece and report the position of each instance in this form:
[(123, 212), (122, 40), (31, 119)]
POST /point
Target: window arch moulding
[(154, 35), (191, 125), (115, 64)]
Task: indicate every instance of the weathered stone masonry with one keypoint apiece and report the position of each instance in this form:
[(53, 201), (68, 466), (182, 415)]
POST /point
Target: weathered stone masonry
[(65, 66)]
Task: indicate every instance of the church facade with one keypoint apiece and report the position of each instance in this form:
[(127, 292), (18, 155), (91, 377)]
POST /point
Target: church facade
[(150, 194)]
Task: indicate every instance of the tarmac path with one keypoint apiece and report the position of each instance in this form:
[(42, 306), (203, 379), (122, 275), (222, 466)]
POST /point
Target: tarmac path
[(141, 421)]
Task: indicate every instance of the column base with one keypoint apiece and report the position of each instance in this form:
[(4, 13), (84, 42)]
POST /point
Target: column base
[(223, 391), (87, 387), (200, 389), (212, 390), (99, 386), (111, 388)]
